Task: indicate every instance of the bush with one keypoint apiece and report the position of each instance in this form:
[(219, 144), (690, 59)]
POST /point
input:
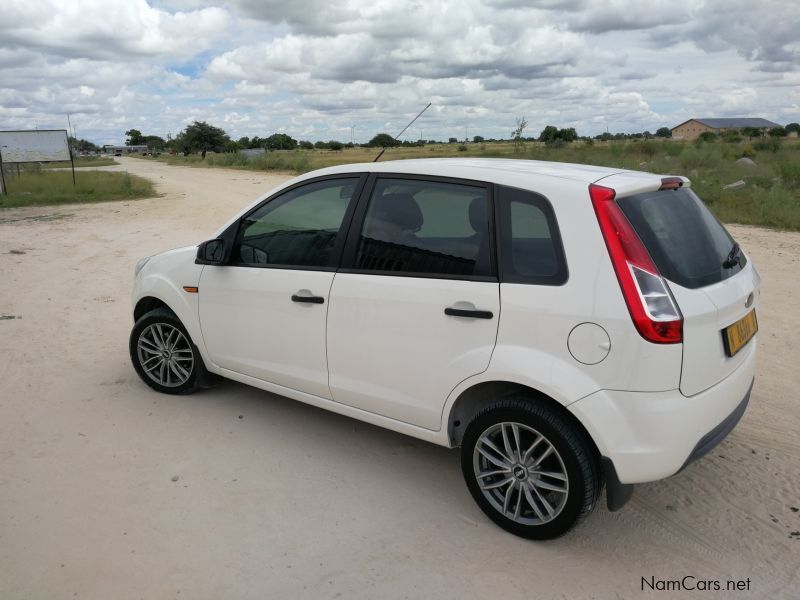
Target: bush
[(747, 152), (462, 148), (673, 148), (778, 132), (648, 148), (732, 137), (706, 137), (770, 144), (790, 173)]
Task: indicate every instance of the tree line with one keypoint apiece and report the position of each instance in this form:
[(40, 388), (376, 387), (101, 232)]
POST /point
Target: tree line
[(201, 137)]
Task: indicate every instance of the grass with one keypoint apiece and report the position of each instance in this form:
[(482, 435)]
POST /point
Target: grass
[(770, 198), (82, 161), (45, 188)]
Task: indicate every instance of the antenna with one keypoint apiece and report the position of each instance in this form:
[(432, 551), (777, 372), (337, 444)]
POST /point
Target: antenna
[(383, 149)]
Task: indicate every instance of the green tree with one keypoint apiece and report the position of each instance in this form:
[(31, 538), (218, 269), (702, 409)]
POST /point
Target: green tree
[(135, 137), (334, 145), (777, 132), (477, 139), (82, 145), (568, 135), (154, 143), (452, 140), (280, 141), (549, 134), (383, 140), (202, 137), (305, 145), (664, 132), (793, 127)]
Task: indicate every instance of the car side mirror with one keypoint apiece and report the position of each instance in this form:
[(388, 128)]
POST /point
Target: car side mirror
[(211, 252)]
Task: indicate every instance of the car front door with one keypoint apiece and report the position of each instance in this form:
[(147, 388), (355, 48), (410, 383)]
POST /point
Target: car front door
[(263, 313), (414, 308)]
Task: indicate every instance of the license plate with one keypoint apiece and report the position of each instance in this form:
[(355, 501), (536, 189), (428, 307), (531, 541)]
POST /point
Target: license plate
[(736, 336)]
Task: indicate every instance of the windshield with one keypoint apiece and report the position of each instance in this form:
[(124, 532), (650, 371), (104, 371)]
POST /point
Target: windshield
[(686, 242)]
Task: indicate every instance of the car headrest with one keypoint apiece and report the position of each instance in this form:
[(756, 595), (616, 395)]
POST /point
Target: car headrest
[(477, 214), (401, 210)]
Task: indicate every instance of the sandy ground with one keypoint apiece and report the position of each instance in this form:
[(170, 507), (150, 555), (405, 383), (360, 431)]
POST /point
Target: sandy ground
[(278, 499)]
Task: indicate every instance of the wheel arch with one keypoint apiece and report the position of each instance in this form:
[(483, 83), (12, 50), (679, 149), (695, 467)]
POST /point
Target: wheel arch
[(475, 398), (146, 304)]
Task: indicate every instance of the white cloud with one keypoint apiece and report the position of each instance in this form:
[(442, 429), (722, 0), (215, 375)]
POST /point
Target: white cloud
[(319, 67)]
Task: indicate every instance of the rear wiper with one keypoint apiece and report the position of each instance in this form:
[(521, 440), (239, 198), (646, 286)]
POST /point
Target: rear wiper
[(733, 257)]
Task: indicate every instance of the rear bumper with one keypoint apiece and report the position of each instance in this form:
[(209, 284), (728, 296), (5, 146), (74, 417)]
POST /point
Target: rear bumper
[(652, 435), (720, 432)]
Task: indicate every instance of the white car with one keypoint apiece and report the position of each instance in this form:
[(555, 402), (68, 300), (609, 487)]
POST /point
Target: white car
[(567, 326)]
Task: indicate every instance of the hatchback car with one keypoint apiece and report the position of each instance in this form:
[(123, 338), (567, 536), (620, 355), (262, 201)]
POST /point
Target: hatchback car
[(569, 327)]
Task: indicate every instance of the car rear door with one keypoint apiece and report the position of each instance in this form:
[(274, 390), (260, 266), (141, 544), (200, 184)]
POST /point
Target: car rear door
[(415, 307), (715, 287)]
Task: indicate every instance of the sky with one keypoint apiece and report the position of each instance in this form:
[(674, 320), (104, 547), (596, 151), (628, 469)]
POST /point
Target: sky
[(346, 70)]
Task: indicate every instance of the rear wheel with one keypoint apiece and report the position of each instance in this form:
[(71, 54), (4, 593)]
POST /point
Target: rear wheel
[(164, 355), (529, 468)]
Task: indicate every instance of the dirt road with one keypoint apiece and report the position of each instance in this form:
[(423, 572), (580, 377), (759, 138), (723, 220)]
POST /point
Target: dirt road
[(276, 499)]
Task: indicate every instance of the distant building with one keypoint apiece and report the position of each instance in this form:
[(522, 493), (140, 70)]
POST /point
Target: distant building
[(117, 150), (691, 129), (252, 152)]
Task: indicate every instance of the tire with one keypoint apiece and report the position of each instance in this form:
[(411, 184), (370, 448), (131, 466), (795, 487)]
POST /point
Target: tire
[(567, 478), (174, 368)]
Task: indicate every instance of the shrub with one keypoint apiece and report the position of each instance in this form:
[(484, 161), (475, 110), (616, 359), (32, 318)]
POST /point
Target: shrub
[(790, 173), (648, 148), (673, 148), (706, 137), (732, 137), (770, 144), (462, 148), (747, 152)]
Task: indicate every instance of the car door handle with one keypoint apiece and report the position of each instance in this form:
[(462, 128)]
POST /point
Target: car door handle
[(469, 313), (308, 299)]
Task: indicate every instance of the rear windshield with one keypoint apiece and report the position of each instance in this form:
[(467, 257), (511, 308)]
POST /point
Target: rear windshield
[(685, 240)]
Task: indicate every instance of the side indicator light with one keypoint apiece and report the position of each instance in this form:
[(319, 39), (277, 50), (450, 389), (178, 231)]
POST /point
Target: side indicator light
[(190, 289)]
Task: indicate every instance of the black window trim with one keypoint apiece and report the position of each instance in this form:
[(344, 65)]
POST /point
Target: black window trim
[(231, 234), (348, 258), (504, 233)]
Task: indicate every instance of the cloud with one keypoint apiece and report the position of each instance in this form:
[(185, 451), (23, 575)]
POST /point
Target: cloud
[(319, 67)]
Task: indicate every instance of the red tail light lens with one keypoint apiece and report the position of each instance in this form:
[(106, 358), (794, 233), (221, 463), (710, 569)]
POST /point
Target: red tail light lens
[(649, 301)]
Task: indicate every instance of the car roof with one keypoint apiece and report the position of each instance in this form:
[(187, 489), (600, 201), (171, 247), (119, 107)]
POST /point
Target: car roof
[(497, 170)]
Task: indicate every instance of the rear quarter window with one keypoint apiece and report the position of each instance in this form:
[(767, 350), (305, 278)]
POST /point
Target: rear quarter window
[(530, 242), (686, 242)]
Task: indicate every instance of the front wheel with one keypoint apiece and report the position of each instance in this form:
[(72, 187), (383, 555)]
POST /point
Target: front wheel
[(529, 468), (163, 354)]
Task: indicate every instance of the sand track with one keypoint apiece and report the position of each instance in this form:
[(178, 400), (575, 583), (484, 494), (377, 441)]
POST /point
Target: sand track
[(278, 499)]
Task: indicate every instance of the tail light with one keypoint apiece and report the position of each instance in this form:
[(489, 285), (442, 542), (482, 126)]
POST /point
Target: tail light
[(649, 301)]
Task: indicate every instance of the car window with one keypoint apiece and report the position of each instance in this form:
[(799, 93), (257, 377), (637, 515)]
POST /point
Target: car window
[(687, 243), (530, 242), (426, 228), (298, 228)]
